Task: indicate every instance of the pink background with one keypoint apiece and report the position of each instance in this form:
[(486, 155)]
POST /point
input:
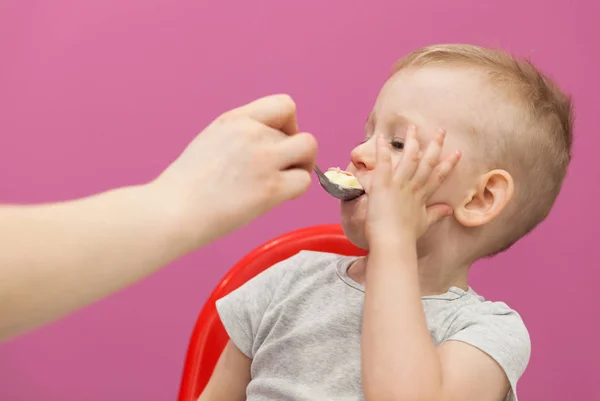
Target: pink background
[(101, 93)]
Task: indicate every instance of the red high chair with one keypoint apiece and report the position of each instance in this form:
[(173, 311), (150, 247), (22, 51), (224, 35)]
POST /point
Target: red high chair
[(209, 337)]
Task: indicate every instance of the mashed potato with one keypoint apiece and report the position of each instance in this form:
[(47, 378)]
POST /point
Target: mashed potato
[(343, 178)]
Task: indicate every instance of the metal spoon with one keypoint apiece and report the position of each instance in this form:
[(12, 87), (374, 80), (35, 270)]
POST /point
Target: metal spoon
[(335, 190)]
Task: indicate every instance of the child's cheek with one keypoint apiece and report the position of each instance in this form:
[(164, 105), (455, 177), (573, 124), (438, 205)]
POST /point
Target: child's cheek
[(448, 193)]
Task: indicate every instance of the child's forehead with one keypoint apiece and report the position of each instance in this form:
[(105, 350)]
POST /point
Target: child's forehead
[(443, 96)]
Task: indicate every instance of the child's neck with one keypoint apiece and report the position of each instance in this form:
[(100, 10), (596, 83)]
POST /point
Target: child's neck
[(436, 274)]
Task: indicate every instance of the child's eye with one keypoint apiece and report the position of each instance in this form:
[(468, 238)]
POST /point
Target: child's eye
[(397, 144)]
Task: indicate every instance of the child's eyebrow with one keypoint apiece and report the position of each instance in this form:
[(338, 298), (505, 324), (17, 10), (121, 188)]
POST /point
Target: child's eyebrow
[(392, 122), (396, 124), (400, 120)]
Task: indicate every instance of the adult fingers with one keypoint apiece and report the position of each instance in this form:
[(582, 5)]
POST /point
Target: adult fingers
[(298, 150), (293, 182), (276, 111)]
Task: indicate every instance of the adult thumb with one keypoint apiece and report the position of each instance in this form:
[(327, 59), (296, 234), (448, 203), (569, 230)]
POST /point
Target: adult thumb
[(436, 213)]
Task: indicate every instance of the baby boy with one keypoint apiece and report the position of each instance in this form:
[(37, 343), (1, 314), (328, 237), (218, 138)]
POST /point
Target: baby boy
[(465, 153)]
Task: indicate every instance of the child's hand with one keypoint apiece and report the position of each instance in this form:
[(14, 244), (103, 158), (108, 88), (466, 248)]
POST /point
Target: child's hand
[(398, 195)]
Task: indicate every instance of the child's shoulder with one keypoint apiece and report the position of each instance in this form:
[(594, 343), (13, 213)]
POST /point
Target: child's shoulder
[(479, 306), (477, 309), (460, 310), (492, 326)]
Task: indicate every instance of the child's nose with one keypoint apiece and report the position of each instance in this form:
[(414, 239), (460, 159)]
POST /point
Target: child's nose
[(363, 156)]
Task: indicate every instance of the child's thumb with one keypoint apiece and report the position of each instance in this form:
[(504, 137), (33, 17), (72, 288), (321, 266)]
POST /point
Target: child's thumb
[(437, 212)]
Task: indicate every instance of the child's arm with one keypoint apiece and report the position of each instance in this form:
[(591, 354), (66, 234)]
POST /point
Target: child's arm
[(230, 377), (400, 362)]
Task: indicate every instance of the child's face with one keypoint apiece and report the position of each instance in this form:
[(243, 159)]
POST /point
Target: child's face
[(429, 98)]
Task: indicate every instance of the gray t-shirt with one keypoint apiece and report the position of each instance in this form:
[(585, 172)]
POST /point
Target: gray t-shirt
[(300, 322)]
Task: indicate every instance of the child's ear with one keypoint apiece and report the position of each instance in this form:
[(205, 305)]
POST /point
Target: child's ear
[(485, 202)]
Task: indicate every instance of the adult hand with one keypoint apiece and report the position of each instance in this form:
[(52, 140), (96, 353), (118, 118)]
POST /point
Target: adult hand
[(244, 163)]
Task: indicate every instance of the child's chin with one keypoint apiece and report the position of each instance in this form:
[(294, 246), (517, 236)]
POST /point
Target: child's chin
[(355, 232), (354, 215)]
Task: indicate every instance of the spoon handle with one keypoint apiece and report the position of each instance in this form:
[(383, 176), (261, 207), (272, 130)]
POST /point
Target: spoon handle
[(322, 177)]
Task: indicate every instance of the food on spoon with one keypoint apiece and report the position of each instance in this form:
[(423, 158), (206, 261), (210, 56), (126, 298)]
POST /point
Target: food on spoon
[(342, 178)]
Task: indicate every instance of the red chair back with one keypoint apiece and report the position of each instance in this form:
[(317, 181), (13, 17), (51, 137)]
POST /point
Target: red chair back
[(209, 337)]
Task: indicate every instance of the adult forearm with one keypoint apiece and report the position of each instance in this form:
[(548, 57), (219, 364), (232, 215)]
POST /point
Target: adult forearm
[(400, 362), (56, 258)]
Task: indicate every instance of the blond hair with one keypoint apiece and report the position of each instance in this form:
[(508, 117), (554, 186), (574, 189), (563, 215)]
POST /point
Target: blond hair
[(536, 149)]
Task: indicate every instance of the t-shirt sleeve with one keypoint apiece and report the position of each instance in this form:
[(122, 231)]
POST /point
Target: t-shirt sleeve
[(242, 311), (498, 331)]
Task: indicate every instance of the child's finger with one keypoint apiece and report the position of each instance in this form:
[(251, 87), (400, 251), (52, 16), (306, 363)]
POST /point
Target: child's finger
[(430, 159), (410, 157), (437, 212), (383, 160), (440, 173)]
